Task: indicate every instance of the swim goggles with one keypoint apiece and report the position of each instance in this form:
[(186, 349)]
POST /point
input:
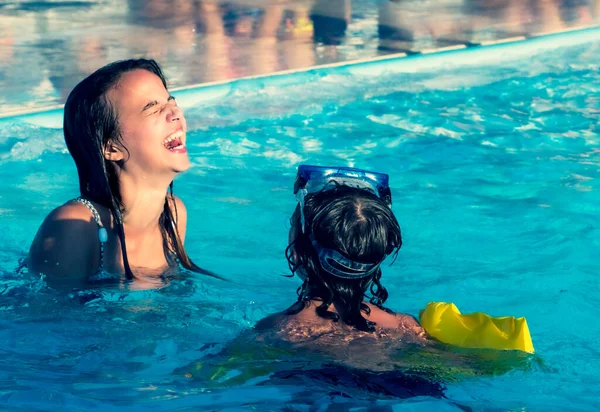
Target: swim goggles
[(311, 179)]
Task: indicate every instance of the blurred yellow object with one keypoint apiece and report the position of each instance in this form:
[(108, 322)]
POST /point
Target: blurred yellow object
[(444, 322)]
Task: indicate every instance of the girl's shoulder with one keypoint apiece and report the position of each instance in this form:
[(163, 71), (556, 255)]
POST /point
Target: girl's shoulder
[(67, 241), (74, 218)]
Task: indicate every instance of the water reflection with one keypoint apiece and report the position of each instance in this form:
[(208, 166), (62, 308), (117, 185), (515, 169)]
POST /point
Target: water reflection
[(213, 40)]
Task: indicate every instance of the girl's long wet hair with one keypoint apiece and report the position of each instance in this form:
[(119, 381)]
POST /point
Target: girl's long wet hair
[(90, 123), (360, 226)]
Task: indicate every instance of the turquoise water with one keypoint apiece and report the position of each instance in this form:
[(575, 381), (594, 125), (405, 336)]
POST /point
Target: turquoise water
[(494, 173)]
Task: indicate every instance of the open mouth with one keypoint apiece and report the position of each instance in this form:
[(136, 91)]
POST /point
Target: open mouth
[(174, 142)]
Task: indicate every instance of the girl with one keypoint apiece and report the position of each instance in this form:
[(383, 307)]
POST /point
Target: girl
[(127, 137)]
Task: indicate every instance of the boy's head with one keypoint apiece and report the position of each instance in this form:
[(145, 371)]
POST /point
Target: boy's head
[(354, 224), (339, 236)]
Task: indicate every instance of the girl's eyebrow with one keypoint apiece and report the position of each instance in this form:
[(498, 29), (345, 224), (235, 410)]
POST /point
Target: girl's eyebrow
[(149, 105), (155, 102)]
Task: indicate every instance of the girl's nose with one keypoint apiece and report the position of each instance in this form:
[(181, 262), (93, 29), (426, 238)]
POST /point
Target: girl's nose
[(174, 114)]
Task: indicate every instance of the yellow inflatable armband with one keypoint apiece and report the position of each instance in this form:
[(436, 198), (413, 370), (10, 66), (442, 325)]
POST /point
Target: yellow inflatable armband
[(444, 322)]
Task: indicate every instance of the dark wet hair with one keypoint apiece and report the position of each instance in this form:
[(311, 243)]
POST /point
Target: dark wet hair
[(360, 226), (90, 123)]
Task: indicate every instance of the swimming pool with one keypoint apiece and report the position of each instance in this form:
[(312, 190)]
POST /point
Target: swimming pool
[(494, 172)]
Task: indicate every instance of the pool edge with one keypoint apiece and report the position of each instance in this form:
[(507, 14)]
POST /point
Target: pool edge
[(398, 62)]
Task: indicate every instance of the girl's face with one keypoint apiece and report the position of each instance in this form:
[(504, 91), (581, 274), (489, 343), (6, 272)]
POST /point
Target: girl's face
[(152, 127)]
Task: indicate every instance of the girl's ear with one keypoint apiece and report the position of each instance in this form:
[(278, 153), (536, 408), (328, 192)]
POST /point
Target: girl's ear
[(114, 152)]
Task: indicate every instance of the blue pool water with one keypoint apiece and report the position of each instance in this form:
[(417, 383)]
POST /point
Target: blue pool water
[(494, 172)]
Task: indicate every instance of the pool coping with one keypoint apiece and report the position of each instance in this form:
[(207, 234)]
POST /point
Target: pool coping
[(451, 56)]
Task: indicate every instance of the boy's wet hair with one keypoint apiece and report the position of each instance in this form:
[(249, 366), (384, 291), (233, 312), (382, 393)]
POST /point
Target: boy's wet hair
[(360, 226)]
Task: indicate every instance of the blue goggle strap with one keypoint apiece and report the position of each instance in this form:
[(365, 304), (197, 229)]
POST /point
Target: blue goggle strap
[(340, 266)]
